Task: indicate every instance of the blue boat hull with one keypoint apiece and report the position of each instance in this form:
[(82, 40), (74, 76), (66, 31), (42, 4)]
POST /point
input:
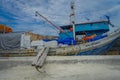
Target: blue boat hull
[(99, 51)]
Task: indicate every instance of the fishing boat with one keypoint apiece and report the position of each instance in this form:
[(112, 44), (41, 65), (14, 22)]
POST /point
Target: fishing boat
[(5, 29), (90, 45), (90, 38)]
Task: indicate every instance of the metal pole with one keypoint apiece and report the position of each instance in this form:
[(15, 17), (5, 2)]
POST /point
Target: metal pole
[(72, 16), (74, 35), (4, 29)]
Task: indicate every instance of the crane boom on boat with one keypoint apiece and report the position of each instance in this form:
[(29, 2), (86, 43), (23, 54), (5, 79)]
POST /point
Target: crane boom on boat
[(58, 28)]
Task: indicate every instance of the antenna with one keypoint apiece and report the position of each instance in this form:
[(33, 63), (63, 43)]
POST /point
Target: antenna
[(109, 22)]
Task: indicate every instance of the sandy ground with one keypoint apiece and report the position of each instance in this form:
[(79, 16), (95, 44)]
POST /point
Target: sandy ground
[(102, 69)]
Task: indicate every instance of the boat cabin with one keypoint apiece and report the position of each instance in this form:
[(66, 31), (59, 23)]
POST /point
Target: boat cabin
[(87, 29)]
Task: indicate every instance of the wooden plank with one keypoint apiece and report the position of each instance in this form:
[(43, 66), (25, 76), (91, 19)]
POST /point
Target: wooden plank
[(42, 59), (37, 57), (17, 51)]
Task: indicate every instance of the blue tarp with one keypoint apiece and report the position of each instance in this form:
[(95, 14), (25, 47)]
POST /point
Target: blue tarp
[(68, 41)]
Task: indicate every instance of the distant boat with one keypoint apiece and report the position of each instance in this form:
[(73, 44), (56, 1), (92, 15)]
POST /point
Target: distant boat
[(5, 29)]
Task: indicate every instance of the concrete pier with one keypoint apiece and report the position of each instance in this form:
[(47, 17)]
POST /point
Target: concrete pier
[(61, 68)]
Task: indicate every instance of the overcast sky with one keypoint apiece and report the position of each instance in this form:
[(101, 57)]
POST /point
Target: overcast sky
[(20, 14)]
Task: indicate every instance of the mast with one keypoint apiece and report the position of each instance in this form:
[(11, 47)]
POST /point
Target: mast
[(72, 19)]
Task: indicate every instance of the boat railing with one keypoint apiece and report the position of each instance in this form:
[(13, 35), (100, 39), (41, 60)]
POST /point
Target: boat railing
[(112, 33)]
